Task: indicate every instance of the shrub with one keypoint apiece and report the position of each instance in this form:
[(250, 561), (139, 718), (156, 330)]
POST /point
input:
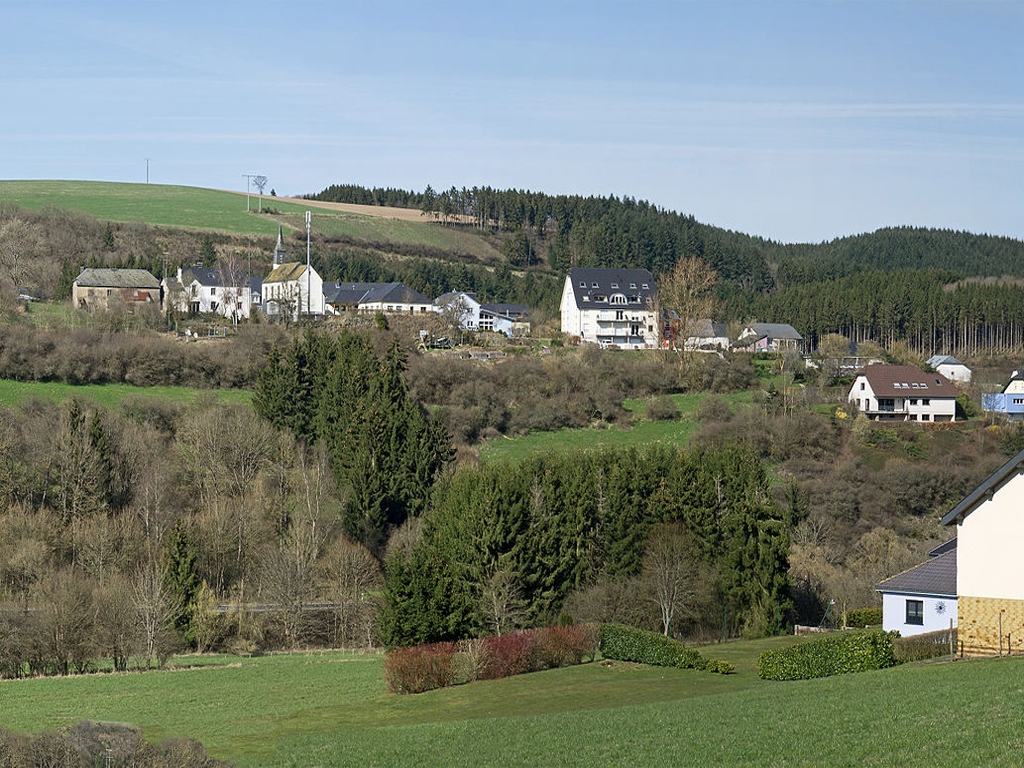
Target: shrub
[(624, 643), (421, 668), (509, 654), (930, 645), (662, 408), (859, 618), (566, 645), (833, 654)]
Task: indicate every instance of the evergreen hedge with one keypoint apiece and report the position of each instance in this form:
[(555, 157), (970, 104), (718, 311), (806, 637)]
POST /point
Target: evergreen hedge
[(860, 618), (624, 643), (833, 654)]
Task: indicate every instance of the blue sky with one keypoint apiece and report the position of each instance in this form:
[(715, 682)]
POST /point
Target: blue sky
[(797, 121)]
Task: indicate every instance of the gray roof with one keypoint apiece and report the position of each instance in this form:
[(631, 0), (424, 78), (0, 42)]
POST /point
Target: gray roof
[(511, 311), (363, 293), (943, 548), (591, 284), (777, 331), (936, 576), (212, 276), (116, 278), (936, 360), (986, 490)]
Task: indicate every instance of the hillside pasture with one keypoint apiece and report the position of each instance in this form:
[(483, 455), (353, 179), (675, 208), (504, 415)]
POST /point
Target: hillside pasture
[(332, 709), (14, 393), (225, 211)]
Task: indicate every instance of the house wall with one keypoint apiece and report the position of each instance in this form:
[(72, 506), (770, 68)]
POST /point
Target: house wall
[(989, 626), (938, 611), (955, 372), (572, 318), (989, 545), (907, 406)]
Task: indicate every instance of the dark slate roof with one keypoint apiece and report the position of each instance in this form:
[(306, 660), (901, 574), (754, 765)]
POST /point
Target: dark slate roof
[(885, 378), (590, 283), (117, 278), (936, 360), (707, 329), (512, 311), (943, 548), (211, 276), (986, 490), (936, 576), (363, 293)]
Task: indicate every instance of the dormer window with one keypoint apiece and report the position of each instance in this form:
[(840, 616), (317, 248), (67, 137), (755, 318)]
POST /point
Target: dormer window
[(583, 283), (618, 298), (595, 284), (644, 286), (615, 285), (600, 297), (633, 286)]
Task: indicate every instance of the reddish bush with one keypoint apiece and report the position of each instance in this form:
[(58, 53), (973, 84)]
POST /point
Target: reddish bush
[(509, 654), (422, 668), (563, 646)]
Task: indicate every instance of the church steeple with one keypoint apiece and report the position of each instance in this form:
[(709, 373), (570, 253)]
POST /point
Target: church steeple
[(279, 250)]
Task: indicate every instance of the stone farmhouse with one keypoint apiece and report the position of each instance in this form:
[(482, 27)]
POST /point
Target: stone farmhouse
[(101, 288)]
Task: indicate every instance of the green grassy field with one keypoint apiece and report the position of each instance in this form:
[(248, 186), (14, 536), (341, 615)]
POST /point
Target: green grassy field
[(208, 209), (642, 432), (13, 393), (332, 709)]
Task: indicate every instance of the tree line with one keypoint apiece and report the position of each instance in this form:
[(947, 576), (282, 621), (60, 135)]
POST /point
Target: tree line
[(509, 545)]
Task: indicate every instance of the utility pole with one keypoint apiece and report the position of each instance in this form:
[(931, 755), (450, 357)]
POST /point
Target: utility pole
[(248, 179), (147, 170)]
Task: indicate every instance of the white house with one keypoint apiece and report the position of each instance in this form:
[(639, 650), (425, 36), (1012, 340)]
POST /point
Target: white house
[(202, 290), (1010, 402), (389, 298), (293, 289), (923, 598), (611, 307), (903, 393), (769, 337), (950, 367), (706, 335), (989, 582), (471, 315)]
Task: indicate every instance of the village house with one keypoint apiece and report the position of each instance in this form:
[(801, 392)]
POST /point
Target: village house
[(989, 587), (472, 315), (950, 367), (100, 288), (390, 298), (611, 308), (769, 337), (1010, 402), (903, 393), (207, 290), (923, 598)]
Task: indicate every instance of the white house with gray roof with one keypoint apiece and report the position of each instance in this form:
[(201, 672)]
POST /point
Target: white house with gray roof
[(950, 367), (611, 308), (209, 290), (923, 598)]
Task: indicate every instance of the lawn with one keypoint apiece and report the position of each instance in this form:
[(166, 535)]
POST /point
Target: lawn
[(641, 433), (13, 393), (332, 709)]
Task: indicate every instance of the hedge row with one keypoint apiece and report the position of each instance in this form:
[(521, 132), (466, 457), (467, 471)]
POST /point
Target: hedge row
[(624, 643), (859, 618), (439, 665), (929, 645), (833, 654)]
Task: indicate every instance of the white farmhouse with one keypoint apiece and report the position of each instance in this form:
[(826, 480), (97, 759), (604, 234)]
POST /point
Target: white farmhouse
[(201, 290), (611, 307), (903, 393), (990, 588), (950, 367), (923, 598)]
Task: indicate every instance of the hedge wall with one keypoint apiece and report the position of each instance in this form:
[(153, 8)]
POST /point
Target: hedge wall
[(833, 654), (624, 643)]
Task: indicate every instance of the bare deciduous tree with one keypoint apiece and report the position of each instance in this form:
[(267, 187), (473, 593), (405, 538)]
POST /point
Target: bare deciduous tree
[(671, 571)]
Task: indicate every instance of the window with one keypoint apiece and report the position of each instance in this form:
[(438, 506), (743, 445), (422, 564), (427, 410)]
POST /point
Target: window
[(595, 285), (915, 612), (615, 285), (583, 283), (862, 386), (620, 315), (926, 401)]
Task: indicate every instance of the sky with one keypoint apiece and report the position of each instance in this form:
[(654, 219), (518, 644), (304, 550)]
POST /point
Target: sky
[(794, 121)]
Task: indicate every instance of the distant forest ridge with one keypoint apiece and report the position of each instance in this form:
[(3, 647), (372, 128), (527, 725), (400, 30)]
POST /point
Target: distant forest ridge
[(640, 232), (939, 290)]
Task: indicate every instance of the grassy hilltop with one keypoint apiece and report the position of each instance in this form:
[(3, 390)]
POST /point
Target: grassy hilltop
[(197, 208)]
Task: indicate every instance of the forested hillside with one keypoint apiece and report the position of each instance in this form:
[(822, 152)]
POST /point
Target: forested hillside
[(937, 290)]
